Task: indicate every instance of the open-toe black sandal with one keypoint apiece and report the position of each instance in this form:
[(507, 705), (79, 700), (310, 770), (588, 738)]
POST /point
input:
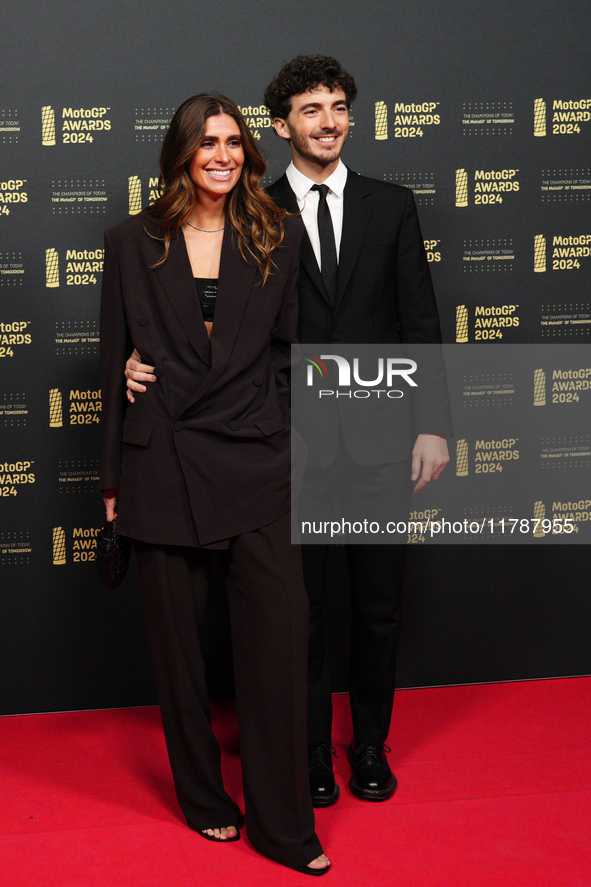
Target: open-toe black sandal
[(306, 870), (221, 840)]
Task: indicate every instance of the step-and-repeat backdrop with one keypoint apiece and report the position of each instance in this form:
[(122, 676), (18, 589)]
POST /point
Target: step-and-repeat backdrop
[(483, 110)]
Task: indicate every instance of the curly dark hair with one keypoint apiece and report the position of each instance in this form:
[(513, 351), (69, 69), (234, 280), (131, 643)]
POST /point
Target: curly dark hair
[(303, 73)]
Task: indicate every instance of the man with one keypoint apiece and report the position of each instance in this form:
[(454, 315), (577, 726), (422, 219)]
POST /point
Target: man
[(364, 278)]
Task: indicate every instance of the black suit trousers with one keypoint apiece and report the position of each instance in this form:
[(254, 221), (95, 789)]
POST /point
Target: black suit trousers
[(269, 622), (376, 574)]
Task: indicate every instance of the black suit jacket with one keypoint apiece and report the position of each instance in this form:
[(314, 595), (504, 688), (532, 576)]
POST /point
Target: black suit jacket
[(384, 295), (204, 454)]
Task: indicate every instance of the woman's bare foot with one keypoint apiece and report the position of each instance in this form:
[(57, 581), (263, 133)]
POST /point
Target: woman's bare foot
[(222, 834), (321, 862)]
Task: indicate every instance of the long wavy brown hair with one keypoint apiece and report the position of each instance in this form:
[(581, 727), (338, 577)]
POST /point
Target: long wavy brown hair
[(255, 218)]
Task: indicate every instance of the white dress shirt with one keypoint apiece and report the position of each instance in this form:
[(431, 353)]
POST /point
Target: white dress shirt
[(307, 199)]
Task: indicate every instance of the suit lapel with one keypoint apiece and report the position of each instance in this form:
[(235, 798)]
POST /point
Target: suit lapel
[(235, 283), (176, 279), (282, 194), (356, 214), (308, 261)]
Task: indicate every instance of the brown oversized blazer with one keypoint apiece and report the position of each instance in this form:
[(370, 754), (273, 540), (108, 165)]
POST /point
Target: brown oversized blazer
[(204, 454)]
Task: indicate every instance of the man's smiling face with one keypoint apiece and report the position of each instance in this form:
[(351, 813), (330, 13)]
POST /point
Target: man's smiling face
[(317, 125)]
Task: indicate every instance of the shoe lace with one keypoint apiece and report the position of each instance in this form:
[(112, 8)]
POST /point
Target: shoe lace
[(368, 748), (317, 751)]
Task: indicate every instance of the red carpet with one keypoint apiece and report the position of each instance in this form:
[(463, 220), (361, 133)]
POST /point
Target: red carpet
[(494, 789)]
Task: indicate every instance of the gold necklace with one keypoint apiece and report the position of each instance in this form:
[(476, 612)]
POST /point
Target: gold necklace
[(206, 230)]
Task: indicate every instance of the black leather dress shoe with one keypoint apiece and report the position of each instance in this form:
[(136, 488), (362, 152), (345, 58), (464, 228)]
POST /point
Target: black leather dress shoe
[(323, 787), (372, 778)]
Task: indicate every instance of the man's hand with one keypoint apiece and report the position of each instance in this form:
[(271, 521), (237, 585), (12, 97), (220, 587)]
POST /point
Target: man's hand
[(137, 372), (110, 499), (430, 452)]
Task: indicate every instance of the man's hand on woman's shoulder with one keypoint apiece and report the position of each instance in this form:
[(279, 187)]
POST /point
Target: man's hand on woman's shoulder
[(136, 373)]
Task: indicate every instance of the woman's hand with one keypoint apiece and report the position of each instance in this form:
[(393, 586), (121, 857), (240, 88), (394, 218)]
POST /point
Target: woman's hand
[(110, 499), (137, 372)]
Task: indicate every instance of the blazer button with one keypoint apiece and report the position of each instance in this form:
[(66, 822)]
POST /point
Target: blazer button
[(143, 321), (257, 380), (336, 336), (178, 426), (234, 426), (158, 372)]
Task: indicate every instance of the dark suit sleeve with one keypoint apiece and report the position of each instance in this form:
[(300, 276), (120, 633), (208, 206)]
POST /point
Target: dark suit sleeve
[(416, 307), (419, 325), (116, 346), (285, 333)]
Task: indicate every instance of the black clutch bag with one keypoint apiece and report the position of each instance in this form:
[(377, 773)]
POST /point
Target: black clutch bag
[(113, 553)]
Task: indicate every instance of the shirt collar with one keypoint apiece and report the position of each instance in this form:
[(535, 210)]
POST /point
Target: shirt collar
[(301, 184)]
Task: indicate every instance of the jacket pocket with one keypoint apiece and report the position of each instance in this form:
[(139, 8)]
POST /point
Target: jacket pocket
[(270, 422), (137, 433)]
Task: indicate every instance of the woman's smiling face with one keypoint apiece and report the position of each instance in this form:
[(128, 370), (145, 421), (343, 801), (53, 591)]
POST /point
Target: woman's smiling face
[(217, 164)]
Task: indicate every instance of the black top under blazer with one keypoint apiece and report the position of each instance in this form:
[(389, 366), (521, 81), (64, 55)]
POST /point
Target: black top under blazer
[(204, 453), (384, 295)]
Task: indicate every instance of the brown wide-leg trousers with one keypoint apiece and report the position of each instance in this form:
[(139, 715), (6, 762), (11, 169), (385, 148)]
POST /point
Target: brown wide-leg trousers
[(269, 620)]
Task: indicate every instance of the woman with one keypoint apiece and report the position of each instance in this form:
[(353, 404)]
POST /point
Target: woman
[(203, 286)]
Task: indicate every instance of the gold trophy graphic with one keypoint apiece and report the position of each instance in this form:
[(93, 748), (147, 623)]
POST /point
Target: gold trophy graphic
[(135, 195), (47, 125), (461, 187), (381, 121), (59, 546), (539, 514), (462, 458), (539, 253), (539, 117), (56, 419), (52, 268), (461, 323), (539, 388)]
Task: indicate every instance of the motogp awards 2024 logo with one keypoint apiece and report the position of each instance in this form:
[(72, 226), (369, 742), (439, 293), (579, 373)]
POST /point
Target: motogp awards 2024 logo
[(568, 251), (257, 118), (569, 116), (78, 125), (134, 189), (82, 547), (489, 186), (410, 119), (83, 407), (82, 267), (12, 192)]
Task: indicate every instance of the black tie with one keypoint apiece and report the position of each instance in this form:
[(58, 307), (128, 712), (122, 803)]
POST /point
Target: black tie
[(328, 250)]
